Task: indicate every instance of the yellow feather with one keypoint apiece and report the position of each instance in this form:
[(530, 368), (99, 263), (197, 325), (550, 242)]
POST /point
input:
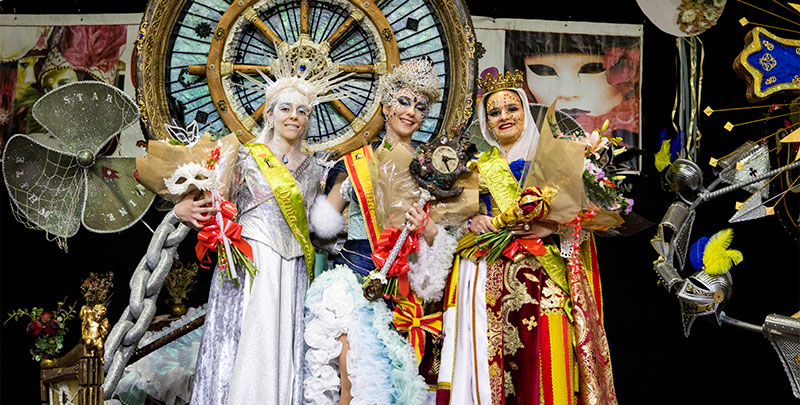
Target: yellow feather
[(717, 258), (663, 156)]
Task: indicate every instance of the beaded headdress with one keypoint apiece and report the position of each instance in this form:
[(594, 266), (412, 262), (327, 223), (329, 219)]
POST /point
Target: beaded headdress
[(507, 81), (417, 75), (313, 76), (316, 79)]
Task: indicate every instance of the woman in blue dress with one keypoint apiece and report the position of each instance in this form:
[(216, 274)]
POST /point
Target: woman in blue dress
[(354, 353)]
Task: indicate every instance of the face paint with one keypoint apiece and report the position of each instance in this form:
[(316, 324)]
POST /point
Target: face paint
[(405, 113), (505, 116), (290, 114)]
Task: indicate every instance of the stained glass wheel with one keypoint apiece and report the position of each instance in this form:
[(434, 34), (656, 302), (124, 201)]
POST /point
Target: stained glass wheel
[(192, 55)]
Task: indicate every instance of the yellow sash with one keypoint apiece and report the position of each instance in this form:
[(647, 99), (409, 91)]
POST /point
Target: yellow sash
[(498, 178), (357, 164), (289, 197), (503, 187)]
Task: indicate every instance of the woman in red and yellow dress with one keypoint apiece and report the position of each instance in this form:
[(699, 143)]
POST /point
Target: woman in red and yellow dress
[(525, 328)]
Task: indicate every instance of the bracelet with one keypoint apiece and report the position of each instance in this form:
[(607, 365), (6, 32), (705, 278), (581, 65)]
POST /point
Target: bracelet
[(469, 224)]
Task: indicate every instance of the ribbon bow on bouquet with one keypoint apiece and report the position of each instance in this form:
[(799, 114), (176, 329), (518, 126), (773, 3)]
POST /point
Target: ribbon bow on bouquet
[(399, 267), (396, 266), (225, 239), (390, 256), (533, 204), (409, 317)]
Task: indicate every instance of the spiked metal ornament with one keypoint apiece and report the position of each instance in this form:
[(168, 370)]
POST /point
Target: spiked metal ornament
[(58, 180), (751, 160)]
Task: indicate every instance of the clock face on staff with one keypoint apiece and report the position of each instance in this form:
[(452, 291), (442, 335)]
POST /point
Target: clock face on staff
[(193, 58)]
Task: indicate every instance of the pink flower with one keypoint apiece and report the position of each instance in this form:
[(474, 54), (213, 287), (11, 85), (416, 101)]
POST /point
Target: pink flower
[(594, 143), (629, 208)]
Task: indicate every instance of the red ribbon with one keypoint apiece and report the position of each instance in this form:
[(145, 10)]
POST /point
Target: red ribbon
[(518, 245), (210, 236), (399, 267)]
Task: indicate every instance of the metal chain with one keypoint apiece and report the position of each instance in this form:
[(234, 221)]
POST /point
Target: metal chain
[(145, 285)]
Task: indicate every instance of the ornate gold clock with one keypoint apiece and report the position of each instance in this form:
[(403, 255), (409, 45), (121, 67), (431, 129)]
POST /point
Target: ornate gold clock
[(445, 159), (190, 53)]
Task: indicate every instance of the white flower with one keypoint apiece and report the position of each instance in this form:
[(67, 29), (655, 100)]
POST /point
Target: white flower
[(719, 3), (688, 16)]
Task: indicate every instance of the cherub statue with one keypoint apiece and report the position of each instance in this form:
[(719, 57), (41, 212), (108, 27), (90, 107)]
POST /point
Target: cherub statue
[(94, 328)]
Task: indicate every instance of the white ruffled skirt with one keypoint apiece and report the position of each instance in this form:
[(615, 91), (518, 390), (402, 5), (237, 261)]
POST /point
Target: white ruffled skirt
[(381, 363)]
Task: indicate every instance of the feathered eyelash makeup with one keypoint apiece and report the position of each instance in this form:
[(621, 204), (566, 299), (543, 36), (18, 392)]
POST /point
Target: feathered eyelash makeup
[(420, 104), (287, 108)]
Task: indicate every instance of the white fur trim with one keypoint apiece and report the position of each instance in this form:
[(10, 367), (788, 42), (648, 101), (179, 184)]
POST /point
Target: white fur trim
[(325, 222), (428, 273)]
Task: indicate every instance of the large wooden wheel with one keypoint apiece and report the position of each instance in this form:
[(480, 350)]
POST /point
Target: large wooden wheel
[(190, 53)]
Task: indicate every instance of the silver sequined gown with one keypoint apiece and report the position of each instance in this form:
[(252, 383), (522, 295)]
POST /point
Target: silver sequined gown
[(252, 345)]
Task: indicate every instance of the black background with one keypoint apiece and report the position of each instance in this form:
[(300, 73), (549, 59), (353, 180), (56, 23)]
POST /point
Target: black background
[(653, 362)]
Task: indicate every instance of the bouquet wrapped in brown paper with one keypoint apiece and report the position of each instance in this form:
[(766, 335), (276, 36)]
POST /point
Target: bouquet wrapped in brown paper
[(569, 166), (558, 165), (174, 170), (396, 191)]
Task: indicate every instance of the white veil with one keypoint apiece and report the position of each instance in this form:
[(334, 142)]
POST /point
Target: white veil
[(525, 147)]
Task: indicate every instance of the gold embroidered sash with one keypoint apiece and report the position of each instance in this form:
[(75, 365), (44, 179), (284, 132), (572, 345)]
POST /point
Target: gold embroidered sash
[(289, 197), (498, 178)]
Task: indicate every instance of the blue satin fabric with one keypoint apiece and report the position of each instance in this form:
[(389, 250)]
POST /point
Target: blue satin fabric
[(356, 254)]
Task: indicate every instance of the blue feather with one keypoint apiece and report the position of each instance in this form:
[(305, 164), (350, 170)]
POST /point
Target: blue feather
[(516, 168), (677, 146), (696, 252)]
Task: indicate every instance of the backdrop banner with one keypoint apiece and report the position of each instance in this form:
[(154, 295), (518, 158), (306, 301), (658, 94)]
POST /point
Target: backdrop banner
[(592, 70)]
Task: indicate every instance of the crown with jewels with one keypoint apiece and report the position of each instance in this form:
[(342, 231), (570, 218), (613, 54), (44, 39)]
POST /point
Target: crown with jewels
[(494, 83)]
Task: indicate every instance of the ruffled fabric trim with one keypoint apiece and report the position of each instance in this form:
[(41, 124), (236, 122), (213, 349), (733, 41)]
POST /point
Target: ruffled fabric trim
[(428, 273), (381, 365), (325, 221), (408, 386)]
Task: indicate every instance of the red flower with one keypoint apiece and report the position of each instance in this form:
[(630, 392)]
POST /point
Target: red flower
[(52, 327), (46, 317), (136, 176), (34, 328), (609, 183), (213, 159)]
